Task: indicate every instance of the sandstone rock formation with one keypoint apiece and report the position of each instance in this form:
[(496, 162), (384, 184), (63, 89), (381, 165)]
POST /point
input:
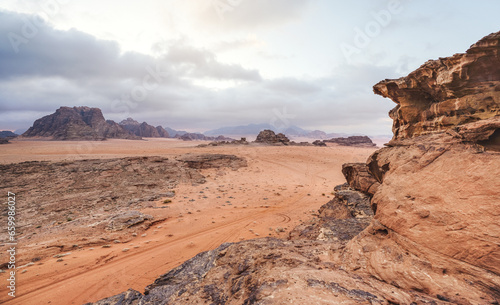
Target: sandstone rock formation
[(77, 123), (143, 129), (435, 234), (437, 222), (359, 177), (362, 141), (269, 137), (447, 92)]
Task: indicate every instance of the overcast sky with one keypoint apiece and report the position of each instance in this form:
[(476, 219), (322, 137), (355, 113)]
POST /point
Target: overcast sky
[(202, 64)]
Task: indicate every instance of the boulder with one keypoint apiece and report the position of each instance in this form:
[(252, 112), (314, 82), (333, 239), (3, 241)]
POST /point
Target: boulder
[(269, 137)]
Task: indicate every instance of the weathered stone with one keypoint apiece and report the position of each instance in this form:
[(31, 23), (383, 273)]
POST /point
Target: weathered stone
[(359, 178), (269, 137), (447, 92), (77, 123), (436, 227), (362, 141)]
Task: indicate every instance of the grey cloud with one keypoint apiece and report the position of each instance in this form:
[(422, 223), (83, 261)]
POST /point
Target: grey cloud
[(72, 68), (293, 86), (203, 63)]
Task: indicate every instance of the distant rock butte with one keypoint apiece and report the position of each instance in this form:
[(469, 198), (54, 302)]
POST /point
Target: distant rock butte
[(430, 233), (447, 92), (349, 141), (143, 129), (6, 135), (269, 137), (77, 123)]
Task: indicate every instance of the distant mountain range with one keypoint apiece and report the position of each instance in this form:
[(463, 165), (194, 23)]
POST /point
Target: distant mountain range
[(85, 123), (254, 129)]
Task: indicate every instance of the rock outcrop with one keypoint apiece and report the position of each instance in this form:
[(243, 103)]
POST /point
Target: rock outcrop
[(340, 219), (359, 178), (447, 92), (77, 123), (362, 141), (143, 129), (268, 136), (437, 222)]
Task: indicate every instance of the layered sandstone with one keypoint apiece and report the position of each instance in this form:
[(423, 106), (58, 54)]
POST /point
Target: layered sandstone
[(437, 222), (447, 92)]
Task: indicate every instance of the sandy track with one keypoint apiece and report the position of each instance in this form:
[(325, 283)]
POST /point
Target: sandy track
[(277, 190)]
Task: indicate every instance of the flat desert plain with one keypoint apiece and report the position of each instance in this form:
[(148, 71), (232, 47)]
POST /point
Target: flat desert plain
[(280, 188)]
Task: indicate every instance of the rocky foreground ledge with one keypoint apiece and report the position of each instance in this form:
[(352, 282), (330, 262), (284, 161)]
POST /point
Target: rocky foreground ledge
[(419, 223)]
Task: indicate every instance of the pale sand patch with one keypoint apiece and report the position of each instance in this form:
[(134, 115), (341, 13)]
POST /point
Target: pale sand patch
[(279, 188)]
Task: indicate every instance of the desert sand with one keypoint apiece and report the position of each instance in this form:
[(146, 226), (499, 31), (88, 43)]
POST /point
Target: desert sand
[(280, 188)]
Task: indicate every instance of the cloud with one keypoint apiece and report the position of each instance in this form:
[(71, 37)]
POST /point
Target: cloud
[(250, 14), (72, 68), (235, 44), (202, 63), (293, 86)]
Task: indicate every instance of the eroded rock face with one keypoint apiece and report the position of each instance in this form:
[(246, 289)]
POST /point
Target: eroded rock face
[(437, 222), (339, 220), (77, 123), (359, 177), (447, 92), (436, 227)]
